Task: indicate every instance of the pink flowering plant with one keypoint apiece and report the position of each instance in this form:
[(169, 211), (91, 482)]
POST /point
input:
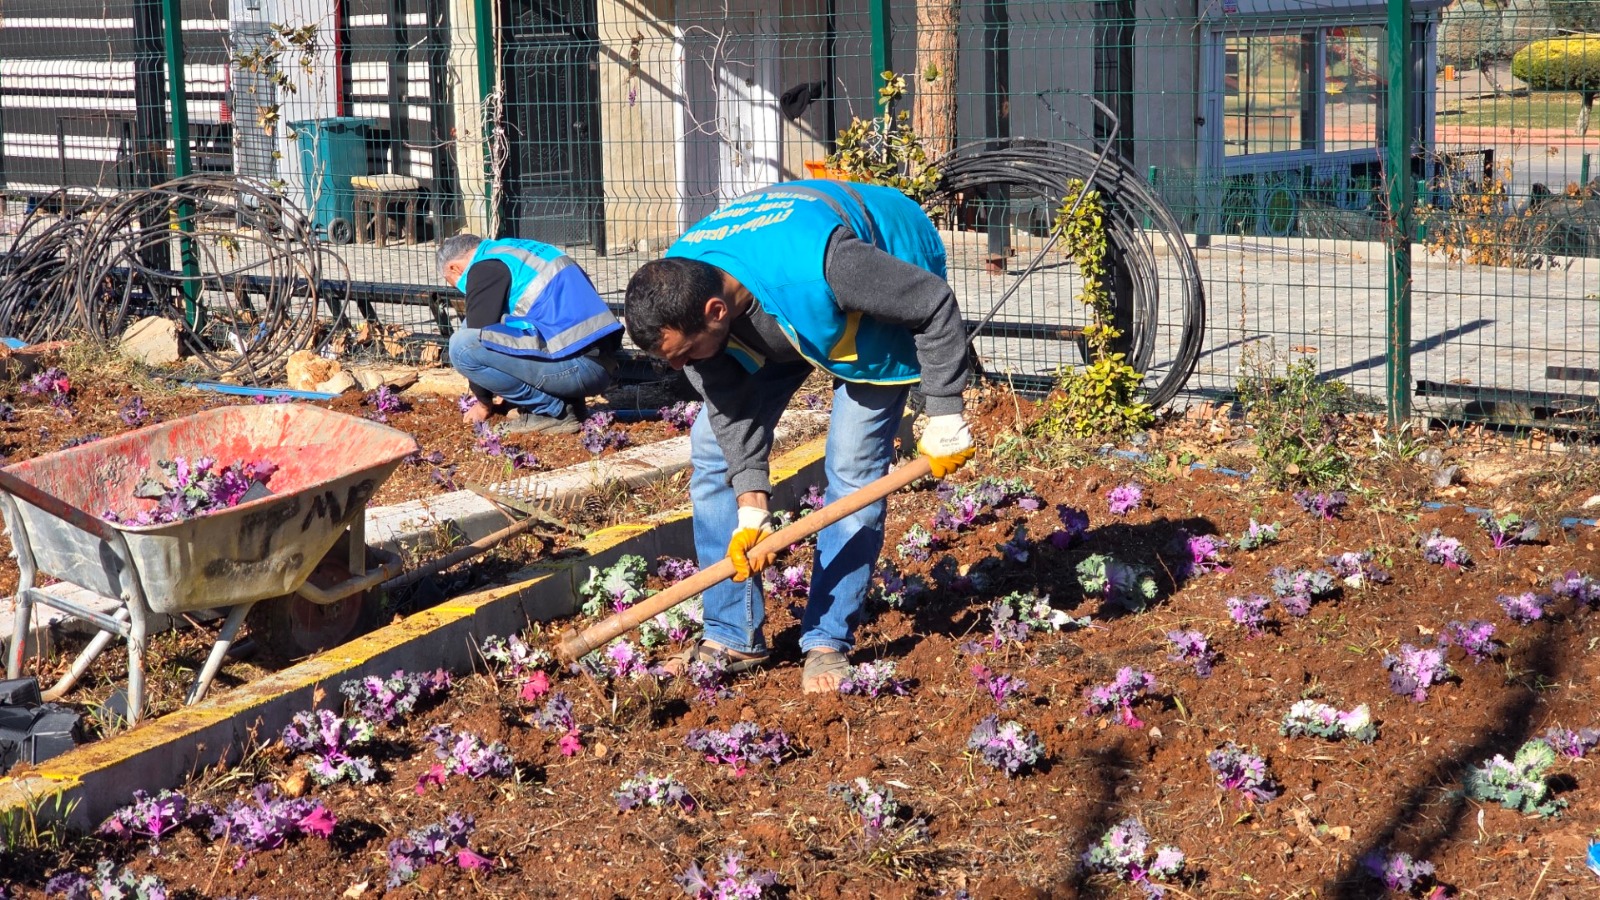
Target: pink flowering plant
[(742, 746), (1191, 647), (1412, 671), (512, 658), (1442, 550), (1251, 612), (1579, 588), (1308, 718), (880, 814), (1357, 570), (1519, 783), (267, 821), (1475, 637), (681, 415), (1244, 772), (1570, 743), (1119, 695), (1126, 852), (895, 589), (790, 581), (873, 680), (442, 843), (1006, 746), (1401, 872), (51, 384), (709, 678), (1525, 608), (917, 544), (1017, 615), (600, 433), (384, 402), (557, 715), (1198, 554), (1000, 686), (615, 587), (109, 882), (388, 700), (195, 488), (1257, 536), (1124, 498), (328, 740), (673, 569), (961, 506), (464, 753), (492, 442), (133, 412), (659, 793), (148, 817), (729, 881)]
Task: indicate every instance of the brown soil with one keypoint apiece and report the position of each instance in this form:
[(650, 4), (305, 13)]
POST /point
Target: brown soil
[(555, 832)]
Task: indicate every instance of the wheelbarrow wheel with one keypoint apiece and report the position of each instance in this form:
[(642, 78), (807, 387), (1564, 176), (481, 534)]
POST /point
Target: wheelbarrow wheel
[(294, 626)]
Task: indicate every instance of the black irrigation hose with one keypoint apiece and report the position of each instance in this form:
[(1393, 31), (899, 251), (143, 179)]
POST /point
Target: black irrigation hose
[(98, 269), (1047, 168)]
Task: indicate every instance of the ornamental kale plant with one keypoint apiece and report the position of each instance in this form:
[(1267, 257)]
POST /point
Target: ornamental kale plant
[(1308, 718), (267, 821), (1445, 551), (1518, 783), (149, 818), (1191, 647), (1251, 612), (1017, 615), (917, 544), (881, 815), (1257, 536), (1413, 671), (675, 625), (194, 489), (792, 581), (1582, 589), (328, 739), (873, 680), (384, 402), (624, 660), (51, 384), (464, 753), (1124, 498), (1243, 772), (728, 882), (1000, 687), (896, 590), (1019, 548), (466, 402), (645, 789), (743, 745), (1398, 871), (8, 413), (387, 700), (1524, 609), (133, 412), (1509, 529), (614, 588), (444, 842), (1074, 525), (491, 442), (961, 505), (108, 883), (1130, 586), (1326, 506), (1575, 744), (1125, 851), (1119, 695), (1296, 588), (600, 434), (1007, 747), (556, 715), (812, 500), (673, 569), (681, 415), (1199, 554), (1357, 569), (512, 657), (1475, 637), (709, 678)]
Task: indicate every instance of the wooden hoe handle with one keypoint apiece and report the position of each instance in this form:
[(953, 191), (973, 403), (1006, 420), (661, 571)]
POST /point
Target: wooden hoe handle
[(575, 645)]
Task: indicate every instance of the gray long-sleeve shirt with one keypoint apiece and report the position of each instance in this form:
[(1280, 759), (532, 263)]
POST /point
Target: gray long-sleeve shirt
[(864, 279)]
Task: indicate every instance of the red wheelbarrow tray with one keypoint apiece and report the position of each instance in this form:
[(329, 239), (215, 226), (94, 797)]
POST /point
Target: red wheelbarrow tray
[(329, 465)]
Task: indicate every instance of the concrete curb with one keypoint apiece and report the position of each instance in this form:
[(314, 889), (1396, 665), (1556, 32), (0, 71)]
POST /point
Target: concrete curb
[(87, 784)]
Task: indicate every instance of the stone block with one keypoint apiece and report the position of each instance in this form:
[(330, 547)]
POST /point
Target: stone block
[(153, 340)]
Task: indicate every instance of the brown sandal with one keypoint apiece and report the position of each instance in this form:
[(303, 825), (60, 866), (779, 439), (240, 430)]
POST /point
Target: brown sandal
[(701, 651), (823, 665)]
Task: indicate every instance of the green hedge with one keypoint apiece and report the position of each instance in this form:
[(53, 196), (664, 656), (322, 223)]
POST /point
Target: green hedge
[(1569, 63)]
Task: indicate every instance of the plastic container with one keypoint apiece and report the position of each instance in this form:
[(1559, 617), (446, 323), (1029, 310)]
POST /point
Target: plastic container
[(332, 151)]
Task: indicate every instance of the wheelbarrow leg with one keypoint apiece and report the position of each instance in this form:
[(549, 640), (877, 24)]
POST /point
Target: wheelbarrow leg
[(19, 633), (27, 570), (230, 628), (136, 645), (86, 658)]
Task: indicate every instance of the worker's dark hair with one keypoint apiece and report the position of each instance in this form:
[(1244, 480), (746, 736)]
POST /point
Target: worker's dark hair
[(669, 293)]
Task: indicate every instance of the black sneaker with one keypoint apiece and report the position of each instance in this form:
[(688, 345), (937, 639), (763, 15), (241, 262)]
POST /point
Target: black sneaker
[(533, 423)]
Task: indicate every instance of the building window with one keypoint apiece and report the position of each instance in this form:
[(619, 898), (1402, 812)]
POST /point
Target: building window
[(1270, 103), (1355, 111)]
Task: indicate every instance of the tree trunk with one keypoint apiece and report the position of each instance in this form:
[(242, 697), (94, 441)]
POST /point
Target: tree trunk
[(933, 111), (1584, 111)]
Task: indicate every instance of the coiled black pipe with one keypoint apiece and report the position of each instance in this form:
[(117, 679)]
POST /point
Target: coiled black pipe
[(1138, 227)]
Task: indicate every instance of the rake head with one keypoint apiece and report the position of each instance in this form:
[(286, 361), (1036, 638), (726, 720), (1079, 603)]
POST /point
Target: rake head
[(495, 481)]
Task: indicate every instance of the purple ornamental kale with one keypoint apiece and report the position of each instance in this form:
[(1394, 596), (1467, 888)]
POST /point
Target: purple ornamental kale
[(1124, 498), (385, 402), (1296, 588), (1474, 636), (1524, 609), (1326, 506), (917, 544), (149, 818), (1257, 536), (1358, 569), (673, 569), (51, 384), (1243, 772), (512, 656), (466, 403), (730, 882), (873, 680), (1019, 548), (557, 715), (1201, 553), (1509, 529), (896, 589), (1121, 694), (195, 489), (645, 789), (1129, 585), (1017, 615), (387, 700), (1445, 551), (464, 753), (1251, 612), (1007, 747), (81, 440), (1074, 525), (879, 812), (1582, 589), (709, 678), (1574, 744), (1191, 647), (791, 581), (8, 413), (600, 433), (328, 739), (681, 415), (267, 821), (1413, 671), (1000, 687), (813, 499), (1308, 717), (110, 882), (1398, 871), (743, 745), (1124, 851), (491, 442), (133, 412), (625, 660), (444, 842), (958, 513)]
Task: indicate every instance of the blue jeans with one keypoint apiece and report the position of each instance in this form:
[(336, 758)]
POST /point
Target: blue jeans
[(542, 386), (860, 450)]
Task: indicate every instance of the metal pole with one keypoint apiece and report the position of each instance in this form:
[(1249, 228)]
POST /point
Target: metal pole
[(483, 22), (1397, 171), (882, 51), (178, 99)]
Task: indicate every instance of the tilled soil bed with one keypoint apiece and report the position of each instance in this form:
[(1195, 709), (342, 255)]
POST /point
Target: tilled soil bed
[(552, 827)]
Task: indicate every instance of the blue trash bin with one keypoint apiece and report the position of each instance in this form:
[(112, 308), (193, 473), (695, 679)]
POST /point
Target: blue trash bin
[(332, 151)]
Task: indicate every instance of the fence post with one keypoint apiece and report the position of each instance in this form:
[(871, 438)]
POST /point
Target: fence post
[(483, 22), (882, 51), (1397, 171), (178, 100)]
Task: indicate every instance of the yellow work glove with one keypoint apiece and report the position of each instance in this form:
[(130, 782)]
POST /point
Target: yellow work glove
[(947, 443), (755, 525)]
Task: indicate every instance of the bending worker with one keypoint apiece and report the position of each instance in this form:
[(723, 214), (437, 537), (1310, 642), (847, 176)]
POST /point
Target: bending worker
[(848, 278), (537, 339)]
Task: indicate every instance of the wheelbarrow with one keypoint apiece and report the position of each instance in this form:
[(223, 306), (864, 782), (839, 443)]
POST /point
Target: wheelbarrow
[(329, 466)]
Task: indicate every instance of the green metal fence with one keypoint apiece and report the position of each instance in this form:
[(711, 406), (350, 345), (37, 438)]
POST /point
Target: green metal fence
[(1382, 185)]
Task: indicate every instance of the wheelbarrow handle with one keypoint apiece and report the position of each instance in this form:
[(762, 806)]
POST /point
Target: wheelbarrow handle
[(577, 644), (57, 507)]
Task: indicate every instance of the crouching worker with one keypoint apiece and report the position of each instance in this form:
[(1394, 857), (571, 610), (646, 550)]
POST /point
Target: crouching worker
[(848, 278), (537, 340)]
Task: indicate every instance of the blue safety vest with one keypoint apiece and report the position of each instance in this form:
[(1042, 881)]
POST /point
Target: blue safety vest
[(552, 309), (773, 241)]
